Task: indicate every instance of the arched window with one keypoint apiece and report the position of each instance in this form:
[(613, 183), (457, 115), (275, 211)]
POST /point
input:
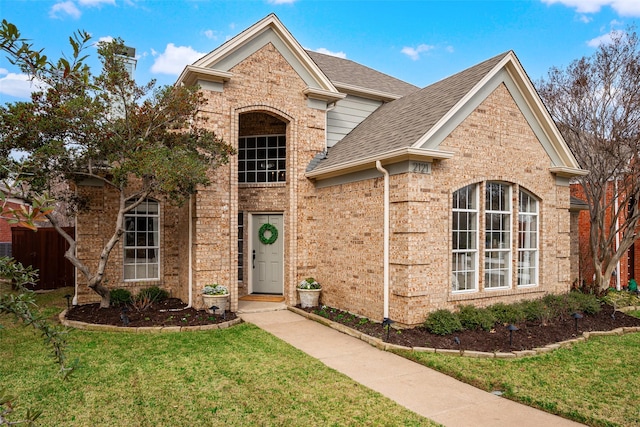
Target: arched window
[(262, 148), (500, 248), (142, 242)]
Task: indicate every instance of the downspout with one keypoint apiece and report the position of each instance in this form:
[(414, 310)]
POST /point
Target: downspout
[(75, 272), (190, 240), (386, 240)]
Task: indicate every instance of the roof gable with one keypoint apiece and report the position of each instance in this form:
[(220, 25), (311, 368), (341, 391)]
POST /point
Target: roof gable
[(217, 65), (419, 122)]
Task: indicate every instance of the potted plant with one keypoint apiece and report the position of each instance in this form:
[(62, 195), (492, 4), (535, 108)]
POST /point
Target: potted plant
[(215, 295), (309, 291)]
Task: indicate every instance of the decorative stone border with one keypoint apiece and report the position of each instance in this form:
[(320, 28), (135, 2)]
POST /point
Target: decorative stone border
[(378, 343), (143, 329)]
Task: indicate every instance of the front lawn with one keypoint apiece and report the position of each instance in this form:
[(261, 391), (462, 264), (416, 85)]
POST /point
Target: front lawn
[(236, 376), (595, 382)]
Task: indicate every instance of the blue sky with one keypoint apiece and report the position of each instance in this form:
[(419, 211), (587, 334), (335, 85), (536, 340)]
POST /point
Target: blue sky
[(417, 41)]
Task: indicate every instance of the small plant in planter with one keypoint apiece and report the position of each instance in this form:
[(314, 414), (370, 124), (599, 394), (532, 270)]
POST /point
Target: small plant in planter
[(309, 283), (215, 295), (215, 289), (309, 291)]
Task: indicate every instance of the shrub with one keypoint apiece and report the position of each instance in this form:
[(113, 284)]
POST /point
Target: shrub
[(621, 299), (120, 297), (473, 318), (586, 303), (154, 294), (534, 310), (442, 322), (557, 305), (507, 313)]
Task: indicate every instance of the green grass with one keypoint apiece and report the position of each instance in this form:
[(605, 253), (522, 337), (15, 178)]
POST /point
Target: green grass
[(237, 376), (595, 382)]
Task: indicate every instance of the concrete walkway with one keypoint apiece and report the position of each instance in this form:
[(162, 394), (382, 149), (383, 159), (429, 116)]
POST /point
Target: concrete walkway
[(418, 388)]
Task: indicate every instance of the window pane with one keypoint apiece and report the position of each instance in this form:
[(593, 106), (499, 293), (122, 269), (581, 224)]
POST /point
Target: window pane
[(464, 238), (497, 254), (527, 240), (264, 153), (141, 254)]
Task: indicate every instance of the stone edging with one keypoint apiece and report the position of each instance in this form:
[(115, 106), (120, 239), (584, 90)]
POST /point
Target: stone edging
[(378, 343), (142, 329)]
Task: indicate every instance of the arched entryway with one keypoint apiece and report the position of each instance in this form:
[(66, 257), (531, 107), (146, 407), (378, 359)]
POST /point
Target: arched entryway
[(263, 198)]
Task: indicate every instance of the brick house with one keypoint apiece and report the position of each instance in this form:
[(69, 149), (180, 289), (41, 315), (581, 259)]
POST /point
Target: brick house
[(398, 200)]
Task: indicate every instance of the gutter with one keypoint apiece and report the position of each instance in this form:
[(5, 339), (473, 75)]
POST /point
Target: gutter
[(386, 240)]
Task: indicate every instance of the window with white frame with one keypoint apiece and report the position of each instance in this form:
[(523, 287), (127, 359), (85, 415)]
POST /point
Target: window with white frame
[(142, 242), (497, 249), (527, 240), (262, 158), (465, 239), (500, 248)]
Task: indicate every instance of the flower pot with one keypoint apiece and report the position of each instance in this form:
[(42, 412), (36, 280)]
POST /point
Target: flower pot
[(309, 297), (219, 301)]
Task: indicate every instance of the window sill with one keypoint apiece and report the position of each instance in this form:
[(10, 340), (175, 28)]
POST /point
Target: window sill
[(261, 184), (493, 293)]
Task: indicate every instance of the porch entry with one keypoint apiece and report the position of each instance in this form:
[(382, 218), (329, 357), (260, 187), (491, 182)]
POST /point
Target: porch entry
[(267, 254)]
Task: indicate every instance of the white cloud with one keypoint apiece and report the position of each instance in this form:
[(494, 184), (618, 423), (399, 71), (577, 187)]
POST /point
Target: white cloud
[(96, 3), (585, 19), (174, 59), (622, 7), (281, 1), (210, 34), (105, 39), (69, 8), (605, 38), (328, 52), (414, 53), (72, 9), (18, 85)]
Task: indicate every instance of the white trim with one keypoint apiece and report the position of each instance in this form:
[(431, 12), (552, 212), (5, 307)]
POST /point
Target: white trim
[(393, 156), (529, 95), (270, 22), (366, 92)]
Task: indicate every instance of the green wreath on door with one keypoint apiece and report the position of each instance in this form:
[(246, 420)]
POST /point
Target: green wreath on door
[(271, 229)]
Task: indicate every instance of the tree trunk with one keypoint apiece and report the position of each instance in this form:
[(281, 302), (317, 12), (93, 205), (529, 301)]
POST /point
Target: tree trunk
[(103, 291)]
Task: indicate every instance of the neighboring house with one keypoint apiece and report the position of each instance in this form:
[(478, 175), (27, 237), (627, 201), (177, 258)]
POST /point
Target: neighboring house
[(629, 265), (5, 228), (398, 200)]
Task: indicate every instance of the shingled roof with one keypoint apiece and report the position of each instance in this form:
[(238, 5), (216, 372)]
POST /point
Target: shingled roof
[(345, 72), (401, 123)]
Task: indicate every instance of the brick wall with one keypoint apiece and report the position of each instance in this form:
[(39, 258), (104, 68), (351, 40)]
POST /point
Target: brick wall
[(494, 143)]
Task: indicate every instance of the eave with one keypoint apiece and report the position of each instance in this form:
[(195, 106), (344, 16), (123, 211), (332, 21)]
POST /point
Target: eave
[(192, 73), (323, 95), (567, 172), (366, 93), (395, 156)]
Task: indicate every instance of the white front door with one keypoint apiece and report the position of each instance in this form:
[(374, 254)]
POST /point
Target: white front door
[(267, 254)]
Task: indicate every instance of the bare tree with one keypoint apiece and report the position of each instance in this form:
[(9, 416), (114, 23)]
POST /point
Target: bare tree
[(596, 103)]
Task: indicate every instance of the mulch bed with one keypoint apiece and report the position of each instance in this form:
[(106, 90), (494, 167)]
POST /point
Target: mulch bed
[(529, 335), (169, 312)]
